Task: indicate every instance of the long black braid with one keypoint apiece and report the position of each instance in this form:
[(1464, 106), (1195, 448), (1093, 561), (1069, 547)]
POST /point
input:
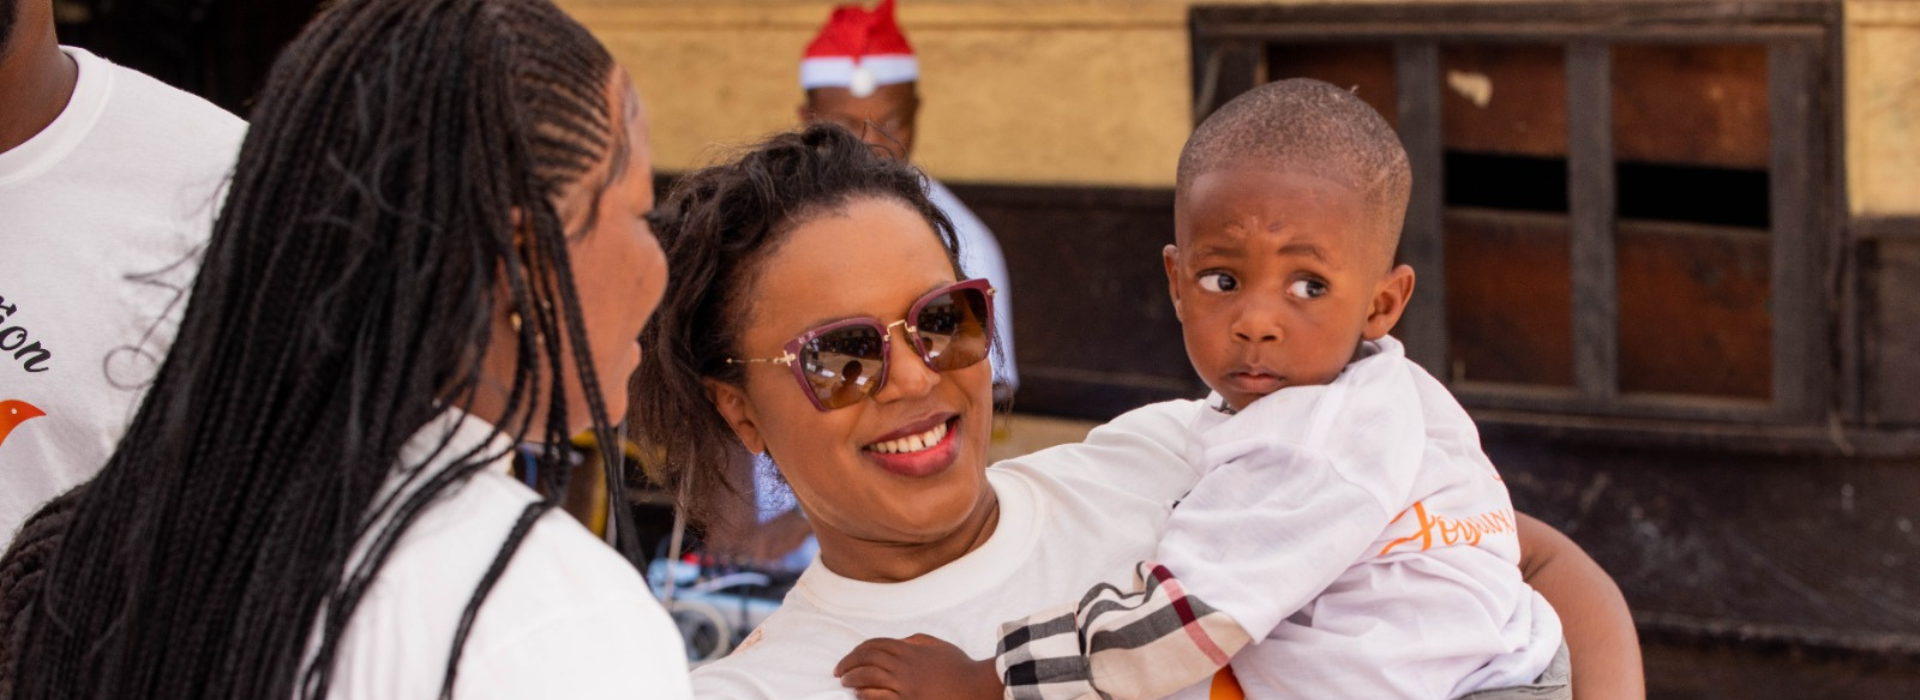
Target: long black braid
[(366, 247)]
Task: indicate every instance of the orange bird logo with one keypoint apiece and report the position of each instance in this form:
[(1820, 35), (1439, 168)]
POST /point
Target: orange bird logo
[(13, 413)]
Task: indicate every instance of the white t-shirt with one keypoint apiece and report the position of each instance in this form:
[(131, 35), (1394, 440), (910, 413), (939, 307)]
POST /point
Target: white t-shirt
[(1070, 517), (980, 257), (568, 618), (1357, 532), (102, 216)]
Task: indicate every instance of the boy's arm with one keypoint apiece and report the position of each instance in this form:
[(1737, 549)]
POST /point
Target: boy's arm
[(1262, 534), (1145, 644), (1601, 640)]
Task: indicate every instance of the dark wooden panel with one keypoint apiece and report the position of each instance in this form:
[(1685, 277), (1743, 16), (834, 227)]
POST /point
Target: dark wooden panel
[(1365, 68), (1423, 241), (218, 49), (1820, 551), (1525, 109), (1509, 292), (1222, 69), (1096, 332), (1893, 333), (1715, 671), (1590, 194), (1694, 311), (1798, 181), (1683, 22), (1698, 105)]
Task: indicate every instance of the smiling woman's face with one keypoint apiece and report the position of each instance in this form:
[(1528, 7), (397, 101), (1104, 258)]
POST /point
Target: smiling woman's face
[(872, 258)]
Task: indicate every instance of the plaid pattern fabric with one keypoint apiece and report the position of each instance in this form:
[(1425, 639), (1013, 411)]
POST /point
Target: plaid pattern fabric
[(1136, 645)]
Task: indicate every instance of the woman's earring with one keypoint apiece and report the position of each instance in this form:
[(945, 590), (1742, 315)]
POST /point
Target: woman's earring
[(513, 317)]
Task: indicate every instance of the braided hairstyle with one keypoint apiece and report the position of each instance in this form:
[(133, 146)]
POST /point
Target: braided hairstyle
[(393, 199), (22, 576), (718, 225)]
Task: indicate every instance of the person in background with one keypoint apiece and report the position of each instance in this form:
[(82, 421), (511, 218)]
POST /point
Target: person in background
[(109, 181)]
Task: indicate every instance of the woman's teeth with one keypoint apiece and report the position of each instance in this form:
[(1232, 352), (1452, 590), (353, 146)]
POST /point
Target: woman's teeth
[(911, 443)]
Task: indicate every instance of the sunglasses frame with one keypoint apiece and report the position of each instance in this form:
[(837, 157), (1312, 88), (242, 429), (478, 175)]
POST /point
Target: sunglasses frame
[(791, 351)]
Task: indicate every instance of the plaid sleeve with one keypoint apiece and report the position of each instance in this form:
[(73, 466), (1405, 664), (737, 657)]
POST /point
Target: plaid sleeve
[(1136, 645)]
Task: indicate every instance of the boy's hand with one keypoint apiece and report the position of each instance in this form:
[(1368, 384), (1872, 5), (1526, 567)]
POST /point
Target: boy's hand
[(917, 668)]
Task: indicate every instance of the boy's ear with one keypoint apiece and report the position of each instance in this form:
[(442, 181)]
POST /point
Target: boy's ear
[(1389, 301), (1168, 256), (738, 411)]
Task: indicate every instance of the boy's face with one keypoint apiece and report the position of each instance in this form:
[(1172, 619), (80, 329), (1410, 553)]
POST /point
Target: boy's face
[(1276, 278), (884, 118)]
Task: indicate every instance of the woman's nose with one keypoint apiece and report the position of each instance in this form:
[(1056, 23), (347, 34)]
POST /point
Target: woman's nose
[(907, 374)]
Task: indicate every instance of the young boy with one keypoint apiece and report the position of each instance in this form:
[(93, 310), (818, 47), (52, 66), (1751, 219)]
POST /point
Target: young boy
[(1348, 538)]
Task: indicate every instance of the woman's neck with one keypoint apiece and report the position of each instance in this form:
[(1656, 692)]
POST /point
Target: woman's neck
[(893, 562)]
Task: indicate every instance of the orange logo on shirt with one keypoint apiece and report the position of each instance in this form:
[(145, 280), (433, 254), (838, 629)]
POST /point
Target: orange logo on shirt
[(1447, 532), (15, 412)]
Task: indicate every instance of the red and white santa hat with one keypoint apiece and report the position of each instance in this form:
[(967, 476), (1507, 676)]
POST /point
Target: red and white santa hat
[(860, 51)]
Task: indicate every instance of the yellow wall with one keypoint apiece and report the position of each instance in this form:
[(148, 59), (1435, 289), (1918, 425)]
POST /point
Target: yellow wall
[(1092, 92), (1883, 107), (1008, 88)]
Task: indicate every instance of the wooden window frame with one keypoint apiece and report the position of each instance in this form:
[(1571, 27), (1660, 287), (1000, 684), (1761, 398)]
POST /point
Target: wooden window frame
[(1802, 41)]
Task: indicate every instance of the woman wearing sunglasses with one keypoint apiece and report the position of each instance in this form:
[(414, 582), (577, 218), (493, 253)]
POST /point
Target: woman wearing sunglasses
[(817, 314)]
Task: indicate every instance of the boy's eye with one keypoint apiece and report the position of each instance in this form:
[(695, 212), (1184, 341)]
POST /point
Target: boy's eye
[(1307, 289), (1218, 282)]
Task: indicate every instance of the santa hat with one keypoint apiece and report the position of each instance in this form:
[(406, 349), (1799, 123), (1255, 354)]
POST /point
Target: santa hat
[(860, 51)]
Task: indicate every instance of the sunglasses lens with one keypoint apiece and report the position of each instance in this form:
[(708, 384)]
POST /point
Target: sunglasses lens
[(843, 365), (953, 329)]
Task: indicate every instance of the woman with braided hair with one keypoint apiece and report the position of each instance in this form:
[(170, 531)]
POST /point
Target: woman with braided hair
[(433, 247)]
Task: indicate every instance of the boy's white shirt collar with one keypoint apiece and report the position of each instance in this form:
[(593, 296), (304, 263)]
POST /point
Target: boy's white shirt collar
[(1368, 350)]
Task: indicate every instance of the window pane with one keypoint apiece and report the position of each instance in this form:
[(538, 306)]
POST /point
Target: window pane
[(1691, 136), (1693, 310), (1509, 295), (1366, 68), (1509, 285)]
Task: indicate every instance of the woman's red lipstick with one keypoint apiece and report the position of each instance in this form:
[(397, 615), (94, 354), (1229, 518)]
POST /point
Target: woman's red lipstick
[(923, 448)]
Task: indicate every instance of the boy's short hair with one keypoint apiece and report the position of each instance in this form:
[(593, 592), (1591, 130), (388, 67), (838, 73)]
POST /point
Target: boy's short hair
[(1307, 125)]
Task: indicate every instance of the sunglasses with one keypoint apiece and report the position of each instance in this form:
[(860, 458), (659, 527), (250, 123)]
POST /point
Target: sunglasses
[(840, 363)]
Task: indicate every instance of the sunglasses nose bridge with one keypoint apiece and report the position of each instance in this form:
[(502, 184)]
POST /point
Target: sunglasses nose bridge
[(904, 377)]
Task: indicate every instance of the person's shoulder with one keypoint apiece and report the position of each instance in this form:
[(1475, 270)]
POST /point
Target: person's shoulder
[(570, 618), (563, 591), (563, 601), (1141, 453), (562, 555), (785, 657), (557, 564), (161, 119), (145, 92)]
